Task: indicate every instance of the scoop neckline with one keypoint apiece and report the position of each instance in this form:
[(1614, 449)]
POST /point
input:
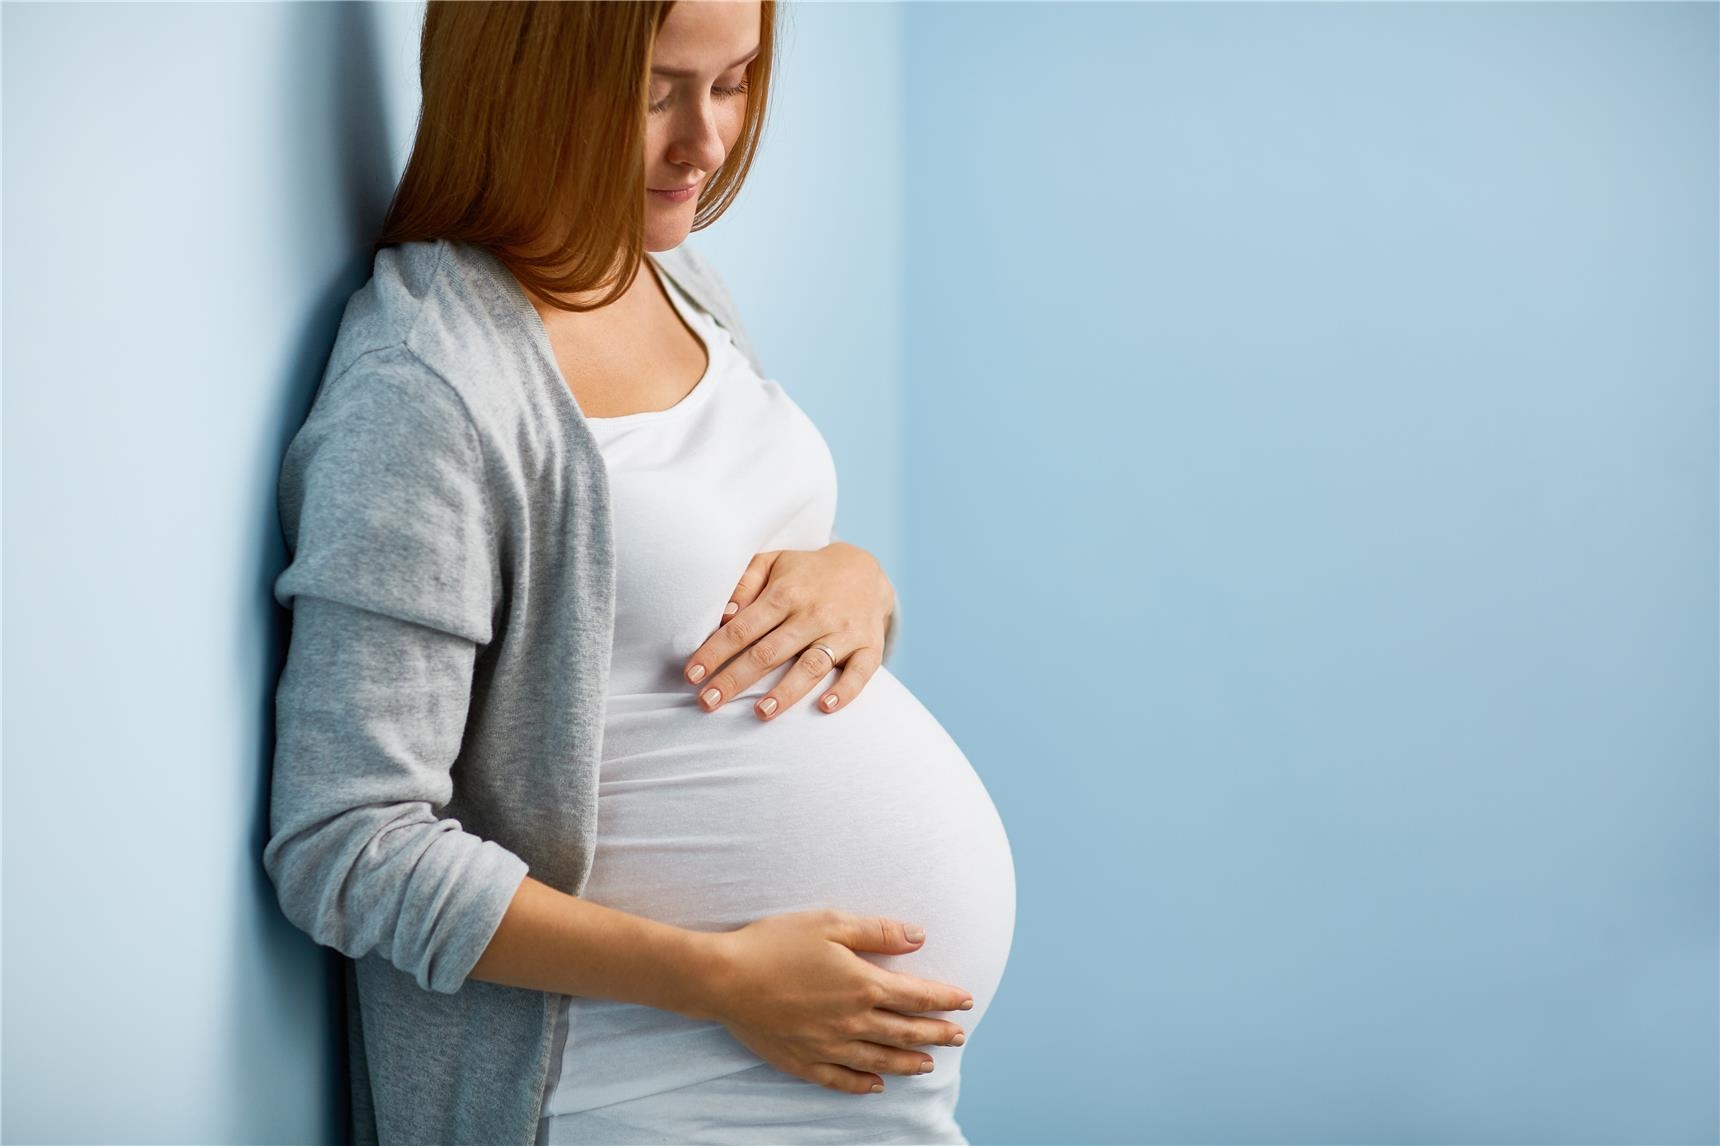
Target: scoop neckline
[(698, 322)]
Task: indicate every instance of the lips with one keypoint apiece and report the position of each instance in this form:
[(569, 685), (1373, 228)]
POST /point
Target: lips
[(671, 190)]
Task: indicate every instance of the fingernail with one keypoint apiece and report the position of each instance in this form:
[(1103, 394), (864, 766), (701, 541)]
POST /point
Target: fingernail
[(731, 609), (696, 673), (768, 706), (712, 695), (966, 1006), (830, 701), (915, 934)]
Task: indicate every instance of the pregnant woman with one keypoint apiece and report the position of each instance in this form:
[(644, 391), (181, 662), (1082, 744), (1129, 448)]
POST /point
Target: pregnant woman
[(542, 456)]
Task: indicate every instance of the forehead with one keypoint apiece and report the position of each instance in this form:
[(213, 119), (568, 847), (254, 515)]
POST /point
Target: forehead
[(705, 37)]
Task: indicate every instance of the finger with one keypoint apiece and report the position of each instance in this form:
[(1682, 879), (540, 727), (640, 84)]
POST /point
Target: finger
[(753, 580), (834, 1077), (898, 1030), (885, 1060), (811, 666), (719, 647), (765, 634), (857, 669), (911, 995)]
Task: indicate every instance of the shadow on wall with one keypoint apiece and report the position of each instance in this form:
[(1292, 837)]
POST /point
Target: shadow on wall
[(338, 153)]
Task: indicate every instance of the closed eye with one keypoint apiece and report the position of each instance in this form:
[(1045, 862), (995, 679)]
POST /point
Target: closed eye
[(721, 93)]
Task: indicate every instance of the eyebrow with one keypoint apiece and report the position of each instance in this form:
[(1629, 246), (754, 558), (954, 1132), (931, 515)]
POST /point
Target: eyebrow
[(689, 73)]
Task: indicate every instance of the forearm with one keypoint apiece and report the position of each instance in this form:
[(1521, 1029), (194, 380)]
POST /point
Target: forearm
[(551, 941)]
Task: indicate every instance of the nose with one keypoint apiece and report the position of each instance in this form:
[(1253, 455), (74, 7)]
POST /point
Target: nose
[(696, 142)]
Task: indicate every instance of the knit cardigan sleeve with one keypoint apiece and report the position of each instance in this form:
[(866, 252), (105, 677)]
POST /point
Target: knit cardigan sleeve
[(392, 583)]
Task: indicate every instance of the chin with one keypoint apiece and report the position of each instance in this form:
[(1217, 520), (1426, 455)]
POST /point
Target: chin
[(664, 238)]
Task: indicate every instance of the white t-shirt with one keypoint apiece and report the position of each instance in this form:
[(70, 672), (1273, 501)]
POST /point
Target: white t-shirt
[(709, 820)]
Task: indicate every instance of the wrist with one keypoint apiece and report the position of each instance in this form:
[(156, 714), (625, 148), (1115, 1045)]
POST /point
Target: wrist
[(702, 966)]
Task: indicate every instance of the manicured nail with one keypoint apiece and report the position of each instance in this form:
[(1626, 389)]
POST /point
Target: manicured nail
[(768, 706), (830, 701), (915, 934), (712, 696), (696, 673), (966, 1006), (731, 609)]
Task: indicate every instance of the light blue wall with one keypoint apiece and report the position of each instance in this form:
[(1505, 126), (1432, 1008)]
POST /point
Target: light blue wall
[(186, 192), (189, 193), (1311, 458), (812, 253), (1349, 695)]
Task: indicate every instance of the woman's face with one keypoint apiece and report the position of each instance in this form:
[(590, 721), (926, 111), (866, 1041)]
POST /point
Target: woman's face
[(698, 103)]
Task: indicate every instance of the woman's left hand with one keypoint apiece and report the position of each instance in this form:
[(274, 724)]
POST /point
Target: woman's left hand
[(787, 601)]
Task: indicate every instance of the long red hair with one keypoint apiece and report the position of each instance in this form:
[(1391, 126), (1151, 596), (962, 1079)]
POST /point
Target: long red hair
[(532, 135)]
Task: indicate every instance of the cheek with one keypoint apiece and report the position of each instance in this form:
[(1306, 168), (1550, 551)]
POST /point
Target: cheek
[(733, 122)]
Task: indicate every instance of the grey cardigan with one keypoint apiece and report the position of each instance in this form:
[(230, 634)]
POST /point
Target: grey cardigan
[(439, 717)]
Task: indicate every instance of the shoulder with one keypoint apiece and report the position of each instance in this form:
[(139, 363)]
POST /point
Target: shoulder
[(385, 309), (385, 350), (384, 500), (445, 321)]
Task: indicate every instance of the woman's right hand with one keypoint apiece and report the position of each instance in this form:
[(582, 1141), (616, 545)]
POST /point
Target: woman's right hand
[(792, 990)]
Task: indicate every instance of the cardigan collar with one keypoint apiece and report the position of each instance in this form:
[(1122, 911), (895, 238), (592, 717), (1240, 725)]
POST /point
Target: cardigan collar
[(673, 263)]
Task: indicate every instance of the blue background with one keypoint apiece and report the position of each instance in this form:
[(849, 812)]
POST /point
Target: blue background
[(1292, 430)]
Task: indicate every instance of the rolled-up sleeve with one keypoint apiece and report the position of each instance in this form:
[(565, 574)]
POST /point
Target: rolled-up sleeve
[(392, 582)]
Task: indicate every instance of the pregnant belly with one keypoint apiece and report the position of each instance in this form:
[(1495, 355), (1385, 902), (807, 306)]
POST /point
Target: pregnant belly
[(709, 820)]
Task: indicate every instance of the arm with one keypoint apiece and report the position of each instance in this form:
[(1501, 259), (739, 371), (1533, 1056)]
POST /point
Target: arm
[(551, 941), (391, 585), (370, 714), (693, 263)]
